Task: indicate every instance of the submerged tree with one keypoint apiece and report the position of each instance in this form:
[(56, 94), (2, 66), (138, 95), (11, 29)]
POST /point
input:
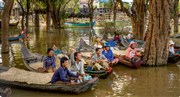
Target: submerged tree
[(91, 10), (58, 12), (115, 5), (174, 14), (137, 13), (5, 25), (156, 47)]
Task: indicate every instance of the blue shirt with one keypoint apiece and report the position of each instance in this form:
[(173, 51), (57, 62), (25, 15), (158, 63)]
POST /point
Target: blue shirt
[(111, 42), (56, 52), (109, 55), (61, 75), (49, 62)]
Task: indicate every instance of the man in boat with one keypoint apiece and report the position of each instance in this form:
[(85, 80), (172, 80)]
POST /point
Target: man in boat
[(56, 50), (117, 39), (132, 52), (49, 62), (107, 52), (77, 64), (172, 51), (99, 60), (112, 44), (62, 74)]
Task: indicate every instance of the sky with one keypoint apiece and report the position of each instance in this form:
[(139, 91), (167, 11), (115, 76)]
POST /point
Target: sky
[(128, 0)]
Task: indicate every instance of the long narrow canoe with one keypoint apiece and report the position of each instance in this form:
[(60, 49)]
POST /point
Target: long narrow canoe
[(15, 38), (62, 87), (174, 59), (74, 24)]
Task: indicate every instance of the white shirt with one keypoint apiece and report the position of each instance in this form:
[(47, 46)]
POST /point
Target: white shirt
[(171, 49)]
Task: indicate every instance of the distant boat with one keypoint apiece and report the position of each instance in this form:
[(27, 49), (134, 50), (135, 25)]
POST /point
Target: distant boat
[(16, 38), (76, 24), (12, 23)]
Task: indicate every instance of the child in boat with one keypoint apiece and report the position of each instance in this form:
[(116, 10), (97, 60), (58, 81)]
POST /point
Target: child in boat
[(49, 63), (107, 52), (56, 50), (132, 51), (62, 73), (99, 60), (98, 44), (172, 51), (77, 64)]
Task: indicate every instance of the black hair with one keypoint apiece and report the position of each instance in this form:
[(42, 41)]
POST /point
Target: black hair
[(49, 49), (63, 59), (97, 49), (75, 54)]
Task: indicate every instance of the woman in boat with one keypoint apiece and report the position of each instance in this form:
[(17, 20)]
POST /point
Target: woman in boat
[(56, 50), (77, 65), (98, 44), (132, 52), (107, 52), (62, 73), (49, 63), (99, 60), (174, 52)]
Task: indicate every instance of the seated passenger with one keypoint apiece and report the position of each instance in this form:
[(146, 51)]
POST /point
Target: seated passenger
[(107, 52), (49, 62), (99, 60), (77, 65), (98, 43), (56, 50), (62, 74), (172, 51), (132, 52)]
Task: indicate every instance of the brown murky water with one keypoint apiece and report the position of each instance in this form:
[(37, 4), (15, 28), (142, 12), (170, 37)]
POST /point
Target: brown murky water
[(124, 82)]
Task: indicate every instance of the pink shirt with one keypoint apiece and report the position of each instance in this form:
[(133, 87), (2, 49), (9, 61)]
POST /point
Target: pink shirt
[(130, 53)]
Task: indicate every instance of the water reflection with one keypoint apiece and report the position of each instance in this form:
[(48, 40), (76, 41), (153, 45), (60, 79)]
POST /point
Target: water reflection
[(146, 81)]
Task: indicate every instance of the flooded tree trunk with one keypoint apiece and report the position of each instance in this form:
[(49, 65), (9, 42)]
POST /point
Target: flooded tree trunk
[(55, 18), (5, 25), (156, 47), (27, 15), (91, 10), (23, 13), (138, 18), (115, 4), (176, 18), (137, 13), (48, 16), (36, 20)]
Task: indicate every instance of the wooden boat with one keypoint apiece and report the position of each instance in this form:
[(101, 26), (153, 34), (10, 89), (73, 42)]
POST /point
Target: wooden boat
[(173, 59), (99, 73), (74, 24), (123, 61), (15, 38), (175, 36), (83, 46), (63, 87), (13, 23), (32, 58)]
